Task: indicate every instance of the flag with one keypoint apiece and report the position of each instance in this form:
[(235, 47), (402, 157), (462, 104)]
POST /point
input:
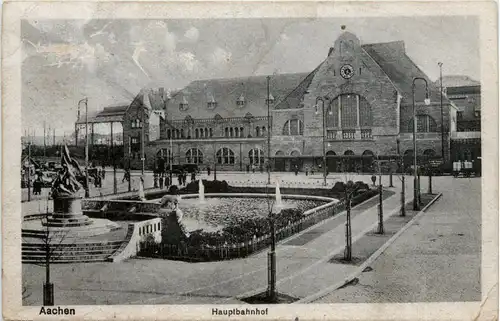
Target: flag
[(71, 163)]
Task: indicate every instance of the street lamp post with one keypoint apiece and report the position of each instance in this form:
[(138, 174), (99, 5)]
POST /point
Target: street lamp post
[(380, 205), (268, 100), (322, 99), (85, 100), (416, 187), (440, 64)]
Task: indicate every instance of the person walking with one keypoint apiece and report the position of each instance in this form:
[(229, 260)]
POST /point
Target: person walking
[(126, 175), (103, 172), (193, 176), (179, 179), (208, 170), (167, 180), (161, 181)]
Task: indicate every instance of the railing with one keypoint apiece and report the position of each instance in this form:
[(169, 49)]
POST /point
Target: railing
[(366, 134), (331, 134), (348, 134)]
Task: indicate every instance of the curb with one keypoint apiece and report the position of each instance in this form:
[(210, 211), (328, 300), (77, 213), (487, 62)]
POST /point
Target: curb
[(323, 259), (370, 260)]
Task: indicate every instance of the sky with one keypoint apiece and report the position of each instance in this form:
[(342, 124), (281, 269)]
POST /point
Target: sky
[(109, 61)]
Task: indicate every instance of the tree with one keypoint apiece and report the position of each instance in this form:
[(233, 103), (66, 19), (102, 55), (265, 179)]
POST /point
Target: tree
[(350, 188), (52, 244)]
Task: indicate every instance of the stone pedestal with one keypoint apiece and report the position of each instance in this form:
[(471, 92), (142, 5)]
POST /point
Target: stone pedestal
[(68, 213)]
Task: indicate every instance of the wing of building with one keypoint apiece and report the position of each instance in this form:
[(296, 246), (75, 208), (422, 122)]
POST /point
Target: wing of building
[(356, 104)]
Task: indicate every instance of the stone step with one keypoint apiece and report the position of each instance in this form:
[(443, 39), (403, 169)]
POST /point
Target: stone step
[(70, 253), (73, 245)]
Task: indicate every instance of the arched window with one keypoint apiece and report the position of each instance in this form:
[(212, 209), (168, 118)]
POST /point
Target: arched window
[(280, 153), (241, 132), (164, 153), (349, 104), (368, 153), (196, 133), (332, 114), (293, 127), (194, 156), (295, 153), (225, 156), (349, 152), (348, 107), (231, 132), (425, 124), (365, 113), (257, 131), (330, 153), (429, 153), (236, 132), (264, 131), (206, 133), (256, 156), (211, 132), (226, 132)]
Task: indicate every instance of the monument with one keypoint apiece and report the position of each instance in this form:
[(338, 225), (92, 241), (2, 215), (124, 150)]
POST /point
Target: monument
[(67, 190)]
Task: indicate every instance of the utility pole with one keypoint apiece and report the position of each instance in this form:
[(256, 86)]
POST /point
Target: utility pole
[(115, 187), (85, 100), (440, 64), (380, 198), (44, 143), (268, 100)]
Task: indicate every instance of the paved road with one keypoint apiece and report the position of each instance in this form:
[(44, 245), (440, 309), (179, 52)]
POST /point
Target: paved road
[(437, 259)]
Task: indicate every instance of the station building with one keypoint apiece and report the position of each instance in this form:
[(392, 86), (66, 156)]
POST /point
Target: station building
[(355, 105)]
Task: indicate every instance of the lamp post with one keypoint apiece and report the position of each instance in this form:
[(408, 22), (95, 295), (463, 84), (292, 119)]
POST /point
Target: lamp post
[(440, 64), (322, 99), (268, 100), (85, 100), (380, 198), (416, 187), (403, 210)]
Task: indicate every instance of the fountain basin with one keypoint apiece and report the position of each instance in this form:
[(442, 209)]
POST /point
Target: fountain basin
[(222, 209)]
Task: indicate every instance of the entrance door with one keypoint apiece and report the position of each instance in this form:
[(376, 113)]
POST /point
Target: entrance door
[(279, 162)]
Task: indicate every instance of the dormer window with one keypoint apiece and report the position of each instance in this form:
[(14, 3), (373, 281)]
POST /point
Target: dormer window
[(241, 101), (211, 104), (270, 99), (183, 105)]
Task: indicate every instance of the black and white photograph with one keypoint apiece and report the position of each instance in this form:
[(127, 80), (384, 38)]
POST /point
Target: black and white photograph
[(244, 164)]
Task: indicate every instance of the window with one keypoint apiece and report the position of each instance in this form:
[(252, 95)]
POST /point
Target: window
[(240, 102), (241, 132), (136, 123), (206, 133), (348, 107), (183, 105), (196, 133), (256, 156), (226, 132), (225, 156), (211, 132), (293, 127), (365, 113), (236, 132), (257, 131), (425, 124), (169, 134), (194, 156), (211, 105), (135, 144)]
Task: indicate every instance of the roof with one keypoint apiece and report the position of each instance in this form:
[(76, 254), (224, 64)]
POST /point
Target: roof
[(294, 98), (250, 91), (113, 113), (458, 81), (400, 69)]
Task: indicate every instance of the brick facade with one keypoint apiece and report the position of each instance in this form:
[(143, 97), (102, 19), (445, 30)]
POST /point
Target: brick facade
[(378, 85)]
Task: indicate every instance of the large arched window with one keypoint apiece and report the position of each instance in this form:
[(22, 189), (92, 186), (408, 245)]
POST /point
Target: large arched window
[(256, 156), (293, 127), (225, 156), (425, 124), (194, 156), (349, 105)]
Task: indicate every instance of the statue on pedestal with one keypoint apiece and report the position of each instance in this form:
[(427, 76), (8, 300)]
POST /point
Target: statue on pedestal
[(70, 179)]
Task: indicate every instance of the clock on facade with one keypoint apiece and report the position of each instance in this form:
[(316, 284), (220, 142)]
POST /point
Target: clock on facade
[(346, 71)]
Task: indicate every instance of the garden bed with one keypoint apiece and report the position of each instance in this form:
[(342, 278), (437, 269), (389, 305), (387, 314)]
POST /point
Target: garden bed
[(244, 236)]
